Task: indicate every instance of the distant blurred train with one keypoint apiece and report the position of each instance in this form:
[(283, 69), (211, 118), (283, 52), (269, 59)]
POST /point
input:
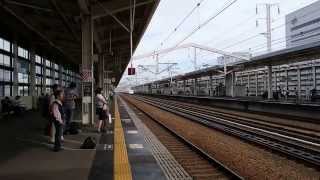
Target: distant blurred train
[(131, 91)]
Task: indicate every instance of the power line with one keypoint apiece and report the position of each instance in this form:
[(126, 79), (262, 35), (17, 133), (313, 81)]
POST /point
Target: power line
[(181, 22), (277, 27), (288, 36), (242, 41), (226, 6), (233, 27)]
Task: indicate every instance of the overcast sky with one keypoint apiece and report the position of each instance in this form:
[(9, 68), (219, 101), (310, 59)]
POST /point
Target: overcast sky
[(225, 32)]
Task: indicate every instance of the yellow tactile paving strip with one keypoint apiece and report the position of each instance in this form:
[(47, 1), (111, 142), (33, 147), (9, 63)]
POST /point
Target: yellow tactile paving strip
[(122, 169)]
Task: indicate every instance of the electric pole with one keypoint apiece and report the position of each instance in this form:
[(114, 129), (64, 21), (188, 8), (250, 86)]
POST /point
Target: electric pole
[(268, 35), (195, 59), (268, 20)]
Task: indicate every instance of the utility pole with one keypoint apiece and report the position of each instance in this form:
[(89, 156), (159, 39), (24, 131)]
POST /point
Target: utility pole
[(268, 21), (268, 35), (195, 59)]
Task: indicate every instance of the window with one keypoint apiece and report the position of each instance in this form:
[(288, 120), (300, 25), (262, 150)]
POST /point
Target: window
[(7, 76), (48, 72), (38, 69), (7, 90), (48, 82), (38, 59), (56, 66), (23, 66), (23, 78), (38, 80), (23, 53), (23, 90), (56, 74), (48, 63), (38, 91), (5, 60), (4, 45)]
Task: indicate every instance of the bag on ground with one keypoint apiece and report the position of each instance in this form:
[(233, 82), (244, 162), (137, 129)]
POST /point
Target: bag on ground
[(89, 143)]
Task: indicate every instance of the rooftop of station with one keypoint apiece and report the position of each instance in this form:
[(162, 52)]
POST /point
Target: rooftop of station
[(53, 28)]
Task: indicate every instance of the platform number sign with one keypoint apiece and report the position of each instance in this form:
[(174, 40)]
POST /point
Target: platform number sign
[(131, 71)]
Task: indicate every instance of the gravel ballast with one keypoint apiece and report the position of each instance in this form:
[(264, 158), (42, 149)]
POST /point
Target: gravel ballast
[(249, 160)]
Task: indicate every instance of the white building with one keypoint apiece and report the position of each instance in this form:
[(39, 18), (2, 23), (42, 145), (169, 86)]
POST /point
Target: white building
[(231, 60), (303, 26)]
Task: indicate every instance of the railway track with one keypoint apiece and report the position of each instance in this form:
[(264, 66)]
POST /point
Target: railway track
[(307, 134), (301, 146), (199, 164)]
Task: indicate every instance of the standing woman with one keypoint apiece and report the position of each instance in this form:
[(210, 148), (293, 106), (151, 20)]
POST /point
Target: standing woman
[(101, 109), (57, 115)]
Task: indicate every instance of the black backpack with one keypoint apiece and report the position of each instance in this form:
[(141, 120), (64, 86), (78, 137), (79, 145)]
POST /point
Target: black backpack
[(89, 143)]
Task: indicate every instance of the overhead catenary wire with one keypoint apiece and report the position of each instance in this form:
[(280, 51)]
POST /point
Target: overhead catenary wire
[(277, 27), (225, 7), (181, 23), (288, 36), (232, 28)]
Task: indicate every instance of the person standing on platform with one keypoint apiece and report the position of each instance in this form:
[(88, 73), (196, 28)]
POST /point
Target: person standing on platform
[(101, 109), (57, 116), (69, 105), (52, 98)]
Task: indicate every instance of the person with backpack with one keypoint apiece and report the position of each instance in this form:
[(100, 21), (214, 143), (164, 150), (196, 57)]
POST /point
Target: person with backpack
[(57, 116), (101, 109)]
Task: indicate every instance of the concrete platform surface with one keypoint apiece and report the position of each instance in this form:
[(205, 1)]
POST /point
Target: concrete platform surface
[(27, 155)]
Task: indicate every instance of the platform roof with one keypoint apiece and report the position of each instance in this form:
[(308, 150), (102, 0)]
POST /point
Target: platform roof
[(53, 27), (289, 55), (305, 52)]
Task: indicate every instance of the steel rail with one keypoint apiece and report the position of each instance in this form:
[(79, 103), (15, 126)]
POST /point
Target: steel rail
[(232, 174), (265, 138), (270, 126)]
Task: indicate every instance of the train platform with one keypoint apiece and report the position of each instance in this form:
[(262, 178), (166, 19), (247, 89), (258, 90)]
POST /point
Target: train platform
[(127, 150), (27, 154)]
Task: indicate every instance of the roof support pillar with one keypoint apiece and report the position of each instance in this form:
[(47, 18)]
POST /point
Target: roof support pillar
[(257, 84), (101, 72), (15, 68), (269, 82), (60, 75), (314, 77), (44, 76), (195, 87), (211, 86), (87, 70), (299, 82), (230, 81), (32, 90)]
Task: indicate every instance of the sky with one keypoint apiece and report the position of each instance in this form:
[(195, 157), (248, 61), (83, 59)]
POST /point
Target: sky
[(239, 28)]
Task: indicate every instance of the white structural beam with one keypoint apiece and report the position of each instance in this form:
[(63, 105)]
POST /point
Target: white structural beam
[(194, 45), (119, 9)]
